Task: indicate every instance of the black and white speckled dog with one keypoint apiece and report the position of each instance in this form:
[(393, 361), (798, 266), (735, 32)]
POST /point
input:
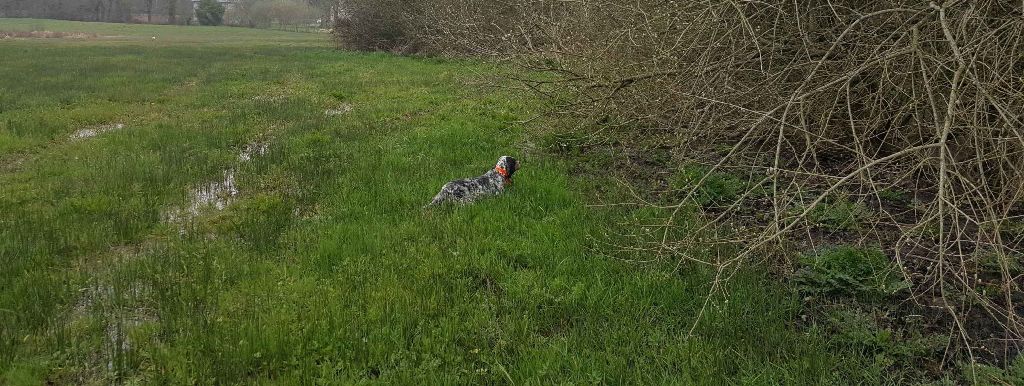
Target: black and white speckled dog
[(467, 190)]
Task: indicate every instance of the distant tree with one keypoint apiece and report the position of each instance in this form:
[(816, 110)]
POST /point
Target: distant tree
[(267, 13), (210, 12), (123, 11), (172, 11), (326, 8), (149, 11)]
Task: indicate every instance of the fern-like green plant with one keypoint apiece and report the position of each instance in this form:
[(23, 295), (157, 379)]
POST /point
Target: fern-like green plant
[(865, 274)]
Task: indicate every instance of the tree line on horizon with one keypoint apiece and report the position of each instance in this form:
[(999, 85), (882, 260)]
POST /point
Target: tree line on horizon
[(248, 13)]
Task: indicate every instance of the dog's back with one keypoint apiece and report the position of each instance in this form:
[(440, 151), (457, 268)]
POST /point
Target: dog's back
[(467, 190)]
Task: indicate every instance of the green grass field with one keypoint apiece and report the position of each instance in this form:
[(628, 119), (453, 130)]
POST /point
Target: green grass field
[(321, 266)]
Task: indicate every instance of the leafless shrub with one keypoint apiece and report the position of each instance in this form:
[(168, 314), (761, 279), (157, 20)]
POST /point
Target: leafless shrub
[(378, 25)]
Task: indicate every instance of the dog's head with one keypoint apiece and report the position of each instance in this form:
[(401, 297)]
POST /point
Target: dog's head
[(511, 165)]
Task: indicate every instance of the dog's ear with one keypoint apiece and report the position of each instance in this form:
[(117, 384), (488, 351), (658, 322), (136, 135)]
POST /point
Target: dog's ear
[(511, 164)]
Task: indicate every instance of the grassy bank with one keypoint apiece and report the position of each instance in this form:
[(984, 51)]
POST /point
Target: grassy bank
[(319, 263)]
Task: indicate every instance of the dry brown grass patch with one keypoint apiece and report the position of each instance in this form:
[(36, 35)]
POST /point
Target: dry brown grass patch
[(46, 35)]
